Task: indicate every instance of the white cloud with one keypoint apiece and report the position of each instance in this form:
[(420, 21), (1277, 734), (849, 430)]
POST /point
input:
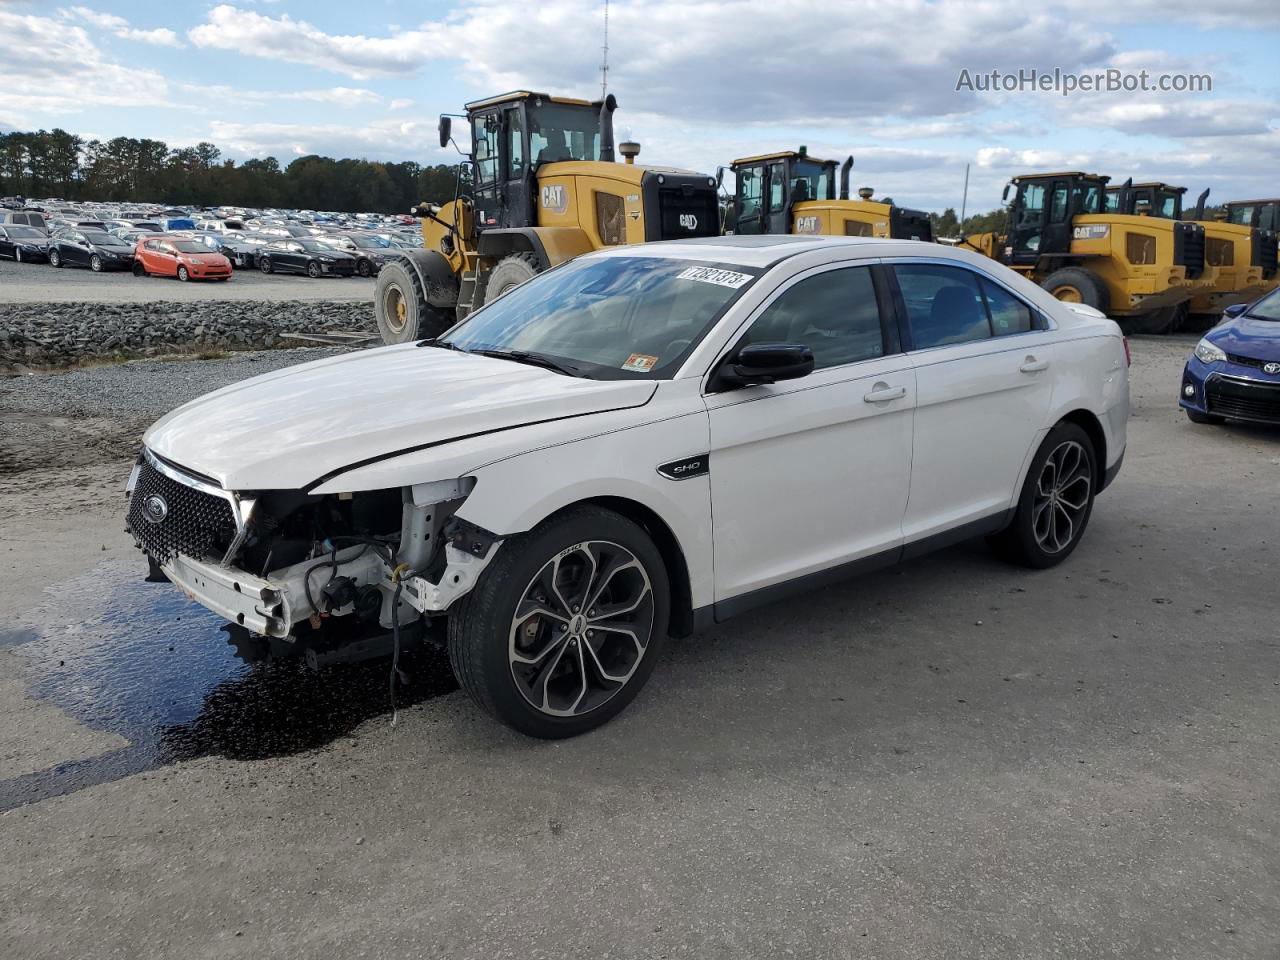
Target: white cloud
[(400, 103), (387, 139), (160, 37), (297, 41), (335, 96), (50, 66)]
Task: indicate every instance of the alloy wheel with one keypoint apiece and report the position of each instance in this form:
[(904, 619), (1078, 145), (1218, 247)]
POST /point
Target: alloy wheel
[(1062, 497), (394, 308), (95, 263), (581, 628), (17, 254)]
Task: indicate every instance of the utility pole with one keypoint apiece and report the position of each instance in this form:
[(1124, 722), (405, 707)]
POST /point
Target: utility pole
[(964, 199), (604, 62)]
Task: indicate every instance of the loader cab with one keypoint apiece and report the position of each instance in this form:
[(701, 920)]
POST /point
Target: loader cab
[(1152, 199), (1042, 210), (512, 136), (1262, 214), (770, 185)]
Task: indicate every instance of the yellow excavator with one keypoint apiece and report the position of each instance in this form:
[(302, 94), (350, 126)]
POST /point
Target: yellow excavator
[(545, 187), (1139, 270), (792, 192), (1244, 255)]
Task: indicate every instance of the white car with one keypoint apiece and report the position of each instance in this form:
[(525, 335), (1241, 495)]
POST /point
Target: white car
[(643, 441)]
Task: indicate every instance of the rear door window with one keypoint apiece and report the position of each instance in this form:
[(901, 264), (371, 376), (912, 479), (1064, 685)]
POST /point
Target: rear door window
[(945, 305), (1008, 313)]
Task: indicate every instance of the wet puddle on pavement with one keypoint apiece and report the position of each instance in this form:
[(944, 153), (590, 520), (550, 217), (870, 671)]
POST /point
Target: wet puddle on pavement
[(141, 660)]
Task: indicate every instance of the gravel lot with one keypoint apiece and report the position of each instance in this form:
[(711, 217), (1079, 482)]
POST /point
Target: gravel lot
[(41, 283), (949, 759)]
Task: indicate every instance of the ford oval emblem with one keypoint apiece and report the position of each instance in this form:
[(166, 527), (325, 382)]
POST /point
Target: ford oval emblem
[(1272, 368), (155, 509)]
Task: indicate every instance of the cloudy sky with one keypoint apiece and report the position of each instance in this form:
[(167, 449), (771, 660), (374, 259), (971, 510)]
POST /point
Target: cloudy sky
[(699, 82)]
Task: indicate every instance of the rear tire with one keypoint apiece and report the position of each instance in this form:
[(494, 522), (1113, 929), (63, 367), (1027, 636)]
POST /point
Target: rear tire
[(1159, 322), (1056, 501), (510, 272), (138, 269), (543, 601), (1195, 416), (1078, 285), (401, 308), (55, 258), (364, 268), (17, 254)]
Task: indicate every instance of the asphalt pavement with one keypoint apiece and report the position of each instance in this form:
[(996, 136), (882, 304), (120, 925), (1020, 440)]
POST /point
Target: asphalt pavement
[(953, 758)]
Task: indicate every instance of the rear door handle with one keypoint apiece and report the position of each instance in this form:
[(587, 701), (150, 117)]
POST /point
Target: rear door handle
[(882, 392), (1032, 365)]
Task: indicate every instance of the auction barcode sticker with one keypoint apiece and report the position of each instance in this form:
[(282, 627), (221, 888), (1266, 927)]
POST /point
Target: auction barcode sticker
[(724, 278)]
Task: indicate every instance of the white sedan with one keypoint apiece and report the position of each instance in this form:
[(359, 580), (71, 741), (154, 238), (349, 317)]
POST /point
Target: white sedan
[(636, 444)]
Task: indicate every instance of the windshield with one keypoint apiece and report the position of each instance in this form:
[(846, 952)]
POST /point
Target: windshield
[(814, 180), (28, 232), (559, 131), (315, 246), (1240, 215), (370, 243), (613, 318), (1268, 308), (189, 246), (97, 236)]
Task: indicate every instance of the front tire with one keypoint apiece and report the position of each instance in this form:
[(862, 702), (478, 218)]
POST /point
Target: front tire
[(1056, 502), (565, 625), (95, 263), (17, 254), (183, 274), (510, 272), (364, 268), (55, 258), (401, 308), (264, 264), (313, 270)]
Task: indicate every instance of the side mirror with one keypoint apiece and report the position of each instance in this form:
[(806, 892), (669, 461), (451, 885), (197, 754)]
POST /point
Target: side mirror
[(446, 128), (1235, 310), (1005, 196), (719, 177), (769, 363)]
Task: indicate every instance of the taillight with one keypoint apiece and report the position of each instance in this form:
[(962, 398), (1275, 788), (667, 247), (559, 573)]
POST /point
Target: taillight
[(1128, 357)]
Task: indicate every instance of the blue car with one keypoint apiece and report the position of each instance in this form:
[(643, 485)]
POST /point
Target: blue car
[(1234, 372)]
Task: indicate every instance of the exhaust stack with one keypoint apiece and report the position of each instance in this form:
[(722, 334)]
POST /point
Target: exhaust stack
[(844, 178), (607, 107), (1200, 205)]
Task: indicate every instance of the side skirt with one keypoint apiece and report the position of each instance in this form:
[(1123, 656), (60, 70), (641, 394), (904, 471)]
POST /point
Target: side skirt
[(705, 617)]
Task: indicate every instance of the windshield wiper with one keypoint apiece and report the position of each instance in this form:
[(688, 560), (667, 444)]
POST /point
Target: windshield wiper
[(442, 344), (533, 359)]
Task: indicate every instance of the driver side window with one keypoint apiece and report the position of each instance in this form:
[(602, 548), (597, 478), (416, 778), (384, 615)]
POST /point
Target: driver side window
[(486, 141), (835, 314), (752, 190)]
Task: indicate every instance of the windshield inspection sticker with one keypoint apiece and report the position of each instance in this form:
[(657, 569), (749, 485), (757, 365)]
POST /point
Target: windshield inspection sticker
[(640, 362), (723, 278)]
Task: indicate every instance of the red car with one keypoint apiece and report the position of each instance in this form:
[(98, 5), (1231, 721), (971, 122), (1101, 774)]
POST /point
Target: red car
[(177, 257)]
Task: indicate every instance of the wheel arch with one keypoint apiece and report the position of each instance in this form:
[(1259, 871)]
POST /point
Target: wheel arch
[(1088, 421), (669, 548), (439, 282), (550, 245)]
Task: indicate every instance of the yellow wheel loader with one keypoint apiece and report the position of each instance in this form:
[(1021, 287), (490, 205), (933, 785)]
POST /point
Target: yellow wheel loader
[(1139, 270), (1244, 256), (792, 192), (544, 188)]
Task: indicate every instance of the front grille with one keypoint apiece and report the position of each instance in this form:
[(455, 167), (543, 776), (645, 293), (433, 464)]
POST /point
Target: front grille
[(1246, 401), (688, 211), (1188, 248), (196, 524), (1245, 361)]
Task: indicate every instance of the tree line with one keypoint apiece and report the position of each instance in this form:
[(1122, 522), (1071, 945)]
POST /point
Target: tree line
[(55, 163)]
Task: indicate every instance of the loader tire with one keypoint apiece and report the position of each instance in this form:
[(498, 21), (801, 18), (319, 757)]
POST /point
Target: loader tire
[(510, 272), (1078, 285), (401, 308), (1158, 322)]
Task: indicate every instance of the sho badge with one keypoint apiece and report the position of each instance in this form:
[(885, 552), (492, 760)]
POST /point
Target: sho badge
[(686, 468), (155, 509)]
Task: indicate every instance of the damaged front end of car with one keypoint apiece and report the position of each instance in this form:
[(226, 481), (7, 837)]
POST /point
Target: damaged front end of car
[(289, 564)]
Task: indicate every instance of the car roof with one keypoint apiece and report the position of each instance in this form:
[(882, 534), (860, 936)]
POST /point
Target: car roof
[(765, 251)]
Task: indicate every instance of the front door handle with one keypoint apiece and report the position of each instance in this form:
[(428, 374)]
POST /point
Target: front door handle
[(882, 392), (1032, 365)]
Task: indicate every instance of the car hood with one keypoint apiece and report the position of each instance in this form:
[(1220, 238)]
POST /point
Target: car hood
[(290, 428), (1248, 337)]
